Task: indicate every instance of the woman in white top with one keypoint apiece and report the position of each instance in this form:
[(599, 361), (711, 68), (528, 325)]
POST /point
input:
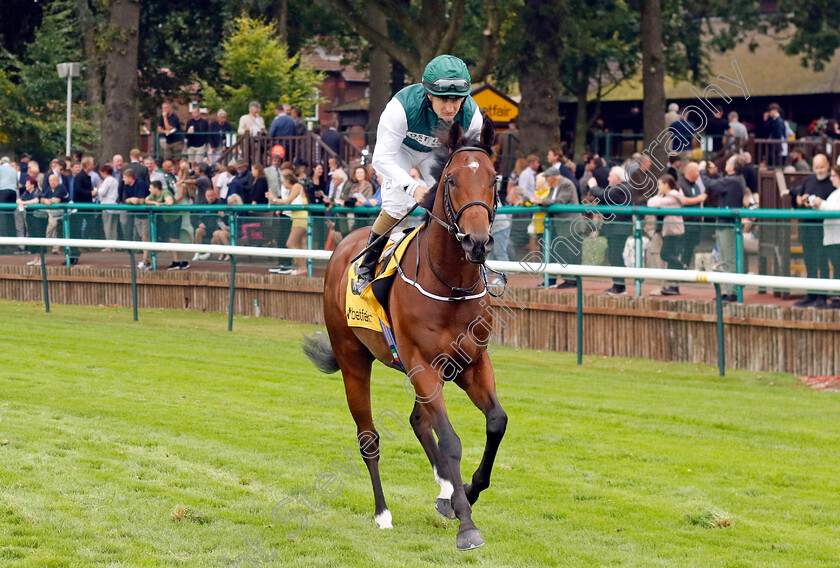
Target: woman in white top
[(670, 196), (831, 227), (108, 194)]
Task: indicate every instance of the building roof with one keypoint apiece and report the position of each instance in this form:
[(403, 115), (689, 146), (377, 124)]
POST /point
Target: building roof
[(332, 62), (358, 104), (767, 71)]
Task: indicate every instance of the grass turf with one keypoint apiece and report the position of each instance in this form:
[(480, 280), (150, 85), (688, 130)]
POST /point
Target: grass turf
[(168, 442)]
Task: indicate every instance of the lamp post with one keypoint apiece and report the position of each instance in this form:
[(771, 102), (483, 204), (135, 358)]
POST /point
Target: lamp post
[(68, 70)]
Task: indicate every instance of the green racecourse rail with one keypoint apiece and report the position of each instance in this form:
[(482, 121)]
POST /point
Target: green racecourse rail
[(546, 269)]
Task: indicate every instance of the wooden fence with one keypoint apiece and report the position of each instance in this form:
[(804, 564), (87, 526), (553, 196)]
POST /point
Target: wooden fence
[(257, 150), (758, 337), (769, 152)]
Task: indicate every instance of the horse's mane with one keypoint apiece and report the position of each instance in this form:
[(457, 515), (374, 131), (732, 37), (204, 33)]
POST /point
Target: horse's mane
[(453, 138)]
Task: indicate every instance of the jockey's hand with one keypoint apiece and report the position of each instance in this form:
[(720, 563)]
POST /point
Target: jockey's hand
[(420, 193)]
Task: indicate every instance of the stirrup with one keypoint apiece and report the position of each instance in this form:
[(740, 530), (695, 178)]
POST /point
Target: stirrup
[(361, 282)]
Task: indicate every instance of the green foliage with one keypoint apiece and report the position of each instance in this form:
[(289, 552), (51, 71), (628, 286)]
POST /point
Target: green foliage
[(816, 35), (179, 42), (601, 46), (472, 41), (693, 29), (255, 66), (32, 95)]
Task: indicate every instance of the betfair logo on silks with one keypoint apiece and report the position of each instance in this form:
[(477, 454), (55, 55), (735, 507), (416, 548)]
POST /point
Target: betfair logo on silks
[(427, 141), (358, 315)]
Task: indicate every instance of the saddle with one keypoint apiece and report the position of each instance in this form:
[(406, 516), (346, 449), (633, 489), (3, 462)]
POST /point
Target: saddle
[(370, 309)]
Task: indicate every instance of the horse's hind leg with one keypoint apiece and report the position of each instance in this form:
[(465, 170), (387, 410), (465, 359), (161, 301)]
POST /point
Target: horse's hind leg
[(355, 368), (421, 423), (480, 385)]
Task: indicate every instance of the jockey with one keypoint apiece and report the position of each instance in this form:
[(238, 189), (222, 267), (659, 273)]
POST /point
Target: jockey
[(406, 138)]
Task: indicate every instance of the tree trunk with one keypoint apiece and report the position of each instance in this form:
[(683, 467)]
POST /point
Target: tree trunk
[(93, 71), (538, 120), (491, 42), (582, 120), (119, 122), (415, 67), (280, 13), (397, 77), (380, 77), (92, 67), (653, 82), (539, 76)]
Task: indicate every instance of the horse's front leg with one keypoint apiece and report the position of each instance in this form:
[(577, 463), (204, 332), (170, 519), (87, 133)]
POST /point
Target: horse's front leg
[(422, 425), (480, 385), (428, 391)]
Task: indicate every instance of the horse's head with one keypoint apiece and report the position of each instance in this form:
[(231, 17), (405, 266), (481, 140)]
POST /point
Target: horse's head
[(468, 200)]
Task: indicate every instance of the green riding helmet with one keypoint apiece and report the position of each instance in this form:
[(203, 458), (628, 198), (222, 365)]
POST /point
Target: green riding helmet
[(447, 76)]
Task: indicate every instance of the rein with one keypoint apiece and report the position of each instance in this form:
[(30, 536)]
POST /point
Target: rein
[(482, 277)]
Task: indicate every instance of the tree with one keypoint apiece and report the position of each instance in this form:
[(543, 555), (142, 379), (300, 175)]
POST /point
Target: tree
[(18, 26), (686, 27), (380, 76), (536, 45), (815, 30), (255, 66), (92, 26), (573, 48), (119, 122), (33, 97), (653, 76), (180, 43), (600, 51), (428, 28)]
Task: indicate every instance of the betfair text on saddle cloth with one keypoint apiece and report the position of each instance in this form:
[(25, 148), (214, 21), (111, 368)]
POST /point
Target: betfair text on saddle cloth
[(368, 308), (406, 139)]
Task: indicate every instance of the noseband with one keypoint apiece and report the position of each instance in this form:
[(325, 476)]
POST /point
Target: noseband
[(452, 217)]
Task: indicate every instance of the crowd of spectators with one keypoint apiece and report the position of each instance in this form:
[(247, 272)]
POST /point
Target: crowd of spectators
[(685, 183), (198, 178), (189, 174)]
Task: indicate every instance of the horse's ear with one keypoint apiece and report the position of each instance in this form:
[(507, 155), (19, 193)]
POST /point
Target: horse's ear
[(456, 137), (488, 133)]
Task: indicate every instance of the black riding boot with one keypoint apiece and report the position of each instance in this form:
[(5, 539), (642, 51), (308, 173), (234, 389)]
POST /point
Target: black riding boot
[(367, 268)]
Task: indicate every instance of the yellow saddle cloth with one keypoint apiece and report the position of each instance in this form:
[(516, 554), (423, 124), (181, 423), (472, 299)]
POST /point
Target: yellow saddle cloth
[(367, 310)]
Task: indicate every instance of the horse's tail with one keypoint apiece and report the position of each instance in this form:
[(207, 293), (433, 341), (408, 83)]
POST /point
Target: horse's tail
[(319, 350)]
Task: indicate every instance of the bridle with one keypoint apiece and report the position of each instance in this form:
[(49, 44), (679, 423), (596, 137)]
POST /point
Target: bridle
[(452, 217), (451, 225)]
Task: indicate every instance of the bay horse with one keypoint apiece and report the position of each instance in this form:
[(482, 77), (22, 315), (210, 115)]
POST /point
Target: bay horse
[(441, 329)]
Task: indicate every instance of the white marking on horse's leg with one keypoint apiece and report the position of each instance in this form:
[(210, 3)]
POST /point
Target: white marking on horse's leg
[(383, 520), (446, 488)]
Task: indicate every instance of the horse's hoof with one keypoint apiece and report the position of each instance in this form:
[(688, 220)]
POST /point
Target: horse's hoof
[(444, 507), (469, 539), (383, 520)]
